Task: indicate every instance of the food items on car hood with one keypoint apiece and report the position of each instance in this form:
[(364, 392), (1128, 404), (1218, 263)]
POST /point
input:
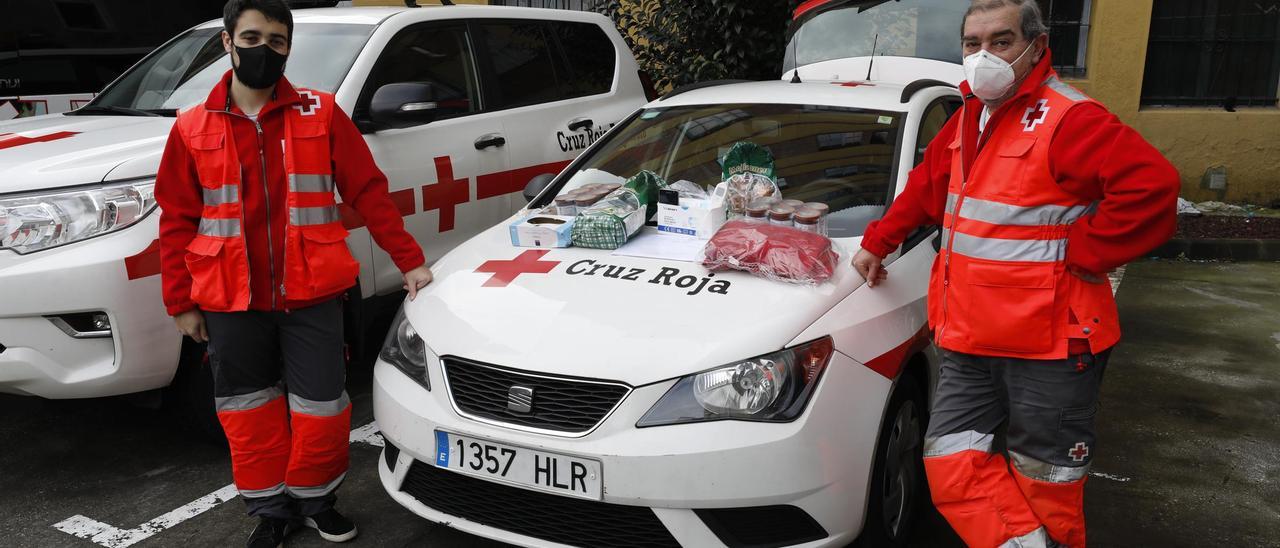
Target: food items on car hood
[(609, 222), (778, 253), (747, 157)]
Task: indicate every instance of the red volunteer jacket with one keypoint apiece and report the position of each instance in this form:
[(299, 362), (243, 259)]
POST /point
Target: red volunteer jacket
[(359, 182), (1092, 155)]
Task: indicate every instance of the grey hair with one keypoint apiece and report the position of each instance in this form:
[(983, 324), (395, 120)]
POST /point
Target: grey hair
[(1032, 18)]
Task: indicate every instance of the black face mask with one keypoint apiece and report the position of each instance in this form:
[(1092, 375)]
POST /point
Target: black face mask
[(260, 66)]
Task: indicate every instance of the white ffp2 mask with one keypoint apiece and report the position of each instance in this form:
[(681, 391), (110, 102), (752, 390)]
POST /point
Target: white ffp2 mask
[(989, 76)]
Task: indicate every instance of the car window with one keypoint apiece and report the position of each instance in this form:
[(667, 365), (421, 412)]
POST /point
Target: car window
[(523, 68), (930, 125), (840, 156), (590, 56), (182, 72), (430, 54)]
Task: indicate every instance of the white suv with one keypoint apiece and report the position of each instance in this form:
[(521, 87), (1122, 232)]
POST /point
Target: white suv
[(503, 96)]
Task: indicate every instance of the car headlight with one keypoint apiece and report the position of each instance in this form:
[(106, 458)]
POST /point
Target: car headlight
[(405, 350), (37, 222), (771, 388)]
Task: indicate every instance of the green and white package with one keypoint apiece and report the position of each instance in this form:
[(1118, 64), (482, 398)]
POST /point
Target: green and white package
[(616, 217), (747, 157)]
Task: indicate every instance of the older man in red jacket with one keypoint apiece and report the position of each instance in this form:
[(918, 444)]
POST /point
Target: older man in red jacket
[(1040, 192), (254, 260)]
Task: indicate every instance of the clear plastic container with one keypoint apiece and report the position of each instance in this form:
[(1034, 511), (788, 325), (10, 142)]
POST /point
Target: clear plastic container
[(780, 215), (566, 204), (807, 219), (823, 210), (757, 212)]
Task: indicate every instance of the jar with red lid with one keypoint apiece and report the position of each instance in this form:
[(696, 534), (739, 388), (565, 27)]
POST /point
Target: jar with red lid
[(780, 215)]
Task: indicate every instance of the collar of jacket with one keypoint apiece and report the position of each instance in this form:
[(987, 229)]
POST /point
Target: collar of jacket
[(219, 99)]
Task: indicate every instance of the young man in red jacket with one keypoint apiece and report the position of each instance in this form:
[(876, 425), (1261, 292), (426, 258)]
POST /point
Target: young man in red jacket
[(254, 261), (1040, 192)]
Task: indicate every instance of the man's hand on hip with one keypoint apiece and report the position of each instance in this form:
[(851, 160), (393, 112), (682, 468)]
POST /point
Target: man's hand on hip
[(191, 324), (870, 267), (416, 279)]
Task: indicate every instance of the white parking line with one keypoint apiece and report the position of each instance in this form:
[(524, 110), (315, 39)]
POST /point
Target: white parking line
[(110, 536), (1111, 477)]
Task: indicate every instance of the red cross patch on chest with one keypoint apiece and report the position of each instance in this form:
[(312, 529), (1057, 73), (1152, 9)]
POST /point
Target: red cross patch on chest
[(1035, 115), (310, 103)]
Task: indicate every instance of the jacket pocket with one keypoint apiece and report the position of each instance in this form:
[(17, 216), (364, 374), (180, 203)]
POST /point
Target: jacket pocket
[(326, 266), (210, 159), (211, 284), (1011, 306)]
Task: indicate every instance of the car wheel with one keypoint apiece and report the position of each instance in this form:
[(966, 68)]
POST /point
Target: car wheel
[(191, 394), (897, 480)]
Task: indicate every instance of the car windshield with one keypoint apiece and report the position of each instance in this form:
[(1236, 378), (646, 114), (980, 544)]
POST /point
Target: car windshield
[(183, 71), (928, 29), (843, 157)]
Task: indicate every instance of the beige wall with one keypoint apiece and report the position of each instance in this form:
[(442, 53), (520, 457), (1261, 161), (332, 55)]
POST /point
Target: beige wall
[(1246, 142)]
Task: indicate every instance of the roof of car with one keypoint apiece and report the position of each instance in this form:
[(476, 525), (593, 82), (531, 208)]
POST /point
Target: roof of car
[(868, 95), (373, 15)]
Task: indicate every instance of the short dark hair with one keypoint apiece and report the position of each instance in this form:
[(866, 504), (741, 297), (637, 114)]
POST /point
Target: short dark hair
[(274, 10), (1032, 17)]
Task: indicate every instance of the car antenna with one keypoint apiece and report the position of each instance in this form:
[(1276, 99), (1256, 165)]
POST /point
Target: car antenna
[(872, 63), (795, 59), (414, 3)]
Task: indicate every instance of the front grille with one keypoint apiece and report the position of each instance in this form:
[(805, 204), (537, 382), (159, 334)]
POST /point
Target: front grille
[(762, 526), (570, 406), (565, 520)]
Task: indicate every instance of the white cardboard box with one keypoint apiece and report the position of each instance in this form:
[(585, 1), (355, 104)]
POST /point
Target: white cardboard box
[(693, 217)]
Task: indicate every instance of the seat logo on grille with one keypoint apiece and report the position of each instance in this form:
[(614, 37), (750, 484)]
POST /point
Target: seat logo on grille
[(520, 399)]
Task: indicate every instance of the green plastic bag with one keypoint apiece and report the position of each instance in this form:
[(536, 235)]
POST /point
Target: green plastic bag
[(747, 157), (616, 217)]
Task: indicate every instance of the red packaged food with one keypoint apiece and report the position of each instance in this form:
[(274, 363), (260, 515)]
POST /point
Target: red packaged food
[(778, 253)]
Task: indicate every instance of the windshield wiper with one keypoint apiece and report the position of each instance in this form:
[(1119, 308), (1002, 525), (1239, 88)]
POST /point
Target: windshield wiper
[(103, 109)]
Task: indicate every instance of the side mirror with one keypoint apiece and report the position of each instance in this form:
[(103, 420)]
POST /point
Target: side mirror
[(411, 104), (536, 185)]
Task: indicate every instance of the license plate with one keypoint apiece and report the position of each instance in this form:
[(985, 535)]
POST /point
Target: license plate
[(550, 472)]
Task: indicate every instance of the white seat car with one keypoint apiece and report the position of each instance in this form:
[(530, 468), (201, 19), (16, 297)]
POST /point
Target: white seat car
[(517, 93), (549, 397)]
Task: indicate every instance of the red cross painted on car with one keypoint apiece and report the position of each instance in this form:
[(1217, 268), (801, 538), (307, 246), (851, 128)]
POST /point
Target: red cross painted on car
[(10, 140), (1079, 452), (1041, 112), (446, 194), (504, 272)]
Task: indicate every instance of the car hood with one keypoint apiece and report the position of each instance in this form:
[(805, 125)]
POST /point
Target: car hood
[(56, 150), (630, 323)]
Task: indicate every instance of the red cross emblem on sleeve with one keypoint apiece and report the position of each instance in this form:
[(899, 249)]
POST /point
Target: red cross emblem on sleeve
[(505, 272), (1079, 452), (1035, 115)]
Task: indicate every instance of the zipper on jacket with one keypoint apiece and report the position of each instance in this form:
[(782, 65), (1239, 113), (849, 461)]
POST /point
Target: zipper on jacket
[(266, 194)]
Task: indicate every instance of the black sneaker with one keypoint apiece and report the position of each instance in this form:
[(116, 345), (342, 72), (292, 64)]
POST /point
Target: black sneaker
[(269, 533), (332, 526)]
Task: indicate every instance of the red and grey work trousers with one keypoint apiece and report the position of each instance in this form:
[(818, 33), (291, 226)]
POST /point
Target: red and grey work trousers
[(1037, 496), (279, 383)]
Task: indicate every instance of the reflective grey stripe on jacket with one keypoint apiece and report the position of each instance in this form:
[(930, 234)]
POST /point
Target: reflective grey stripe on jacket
[(317, 491), (1067, 91), (998, 249), (997, 213), (310, 183), (223, 228), (252, 400), (225, 194), (1035, 539), (1044, 471), (305, 216), (951, 444), (314, 408)]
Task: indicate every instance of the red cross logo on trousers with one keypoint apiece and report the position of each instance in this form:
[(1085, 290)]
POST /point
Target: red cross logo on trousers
[(505, 272), (1042, 108), (1079, 452), (310, 103)]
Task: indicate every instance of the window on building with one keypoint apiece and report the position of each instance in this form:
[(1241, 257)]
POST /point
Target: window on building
[(1213, 53), (1068, 22)]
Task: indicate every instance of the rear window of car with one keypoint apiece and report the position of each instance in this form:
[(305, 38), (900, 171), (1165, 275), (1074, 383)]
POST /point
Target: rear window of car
[(591, 58)]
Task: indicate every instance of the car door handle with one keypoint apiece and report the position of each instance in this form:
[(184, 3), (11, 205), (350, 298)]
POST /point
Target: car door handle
[(490, 140), (580, 123)]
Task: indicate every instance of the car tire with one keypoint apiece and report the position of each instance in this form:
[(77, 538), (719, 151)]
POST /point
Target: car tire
[(190, 396), (897, 479)]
